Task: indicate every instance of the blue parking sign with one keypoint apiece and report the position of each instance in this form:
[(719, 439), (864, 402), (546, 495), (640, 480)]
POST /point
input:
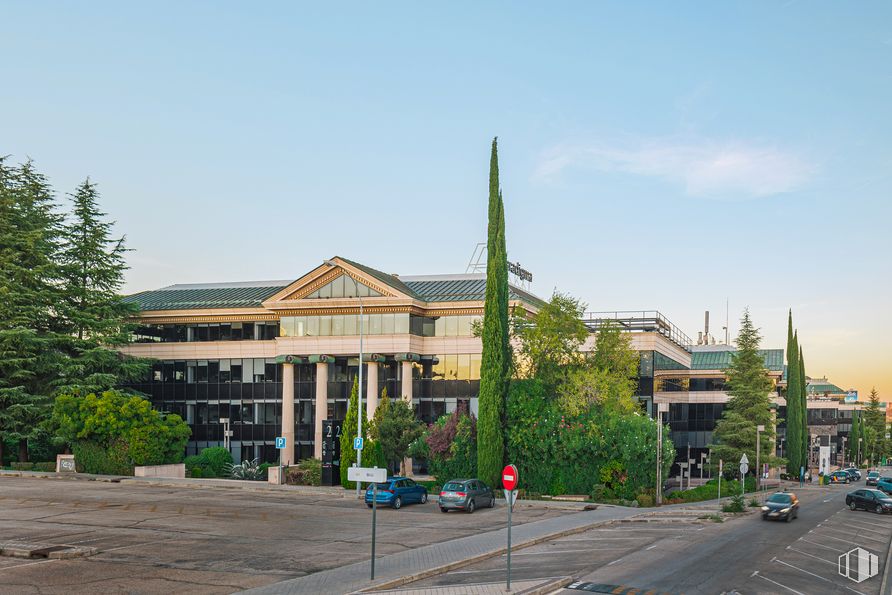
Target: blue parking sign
[(357, 443), (280, 442)]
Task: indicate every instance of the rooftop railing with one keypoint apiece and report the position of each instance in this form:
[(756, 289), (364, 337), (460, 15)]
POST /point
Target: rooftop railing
[(643, 321)]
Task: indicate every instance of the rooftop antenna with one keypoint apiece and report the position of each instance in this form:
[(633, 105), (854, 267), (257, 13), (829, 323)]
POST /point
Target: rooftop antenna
[(727, 337), (477, 264)]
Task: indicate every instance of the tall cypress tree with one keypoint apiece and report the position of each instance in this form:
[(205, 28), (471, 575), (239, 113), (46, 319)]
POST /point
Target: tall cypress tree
[(806, 442), (96, 319), (493, 366), (30, 292), (794, 452)]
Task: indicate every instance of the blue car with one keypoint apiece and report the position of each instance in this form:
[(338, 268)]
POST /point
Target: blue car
[(397, 491), (885, 484)]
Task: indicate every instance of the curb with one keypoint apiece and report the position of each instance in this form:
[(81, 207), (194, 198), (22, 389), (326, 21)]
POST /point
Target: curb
[(886, 585), (548, 587), (411, 578)]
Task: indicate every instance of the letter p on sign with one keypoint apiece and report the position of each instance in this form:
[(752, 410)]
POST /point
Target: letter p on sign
[(509, 477)]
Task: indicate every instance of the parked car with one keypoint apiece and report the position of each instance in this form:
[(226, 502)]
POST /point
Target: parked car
[(872, 478), (781, 506), (854, 473), (840, 477), (465, 494), (884, 484), (872, 500), (397, 491)]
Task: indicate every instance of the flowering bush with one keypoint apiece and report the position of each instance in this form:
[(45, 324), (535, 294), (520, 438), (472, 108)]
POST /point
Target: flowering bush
[(451, 444)]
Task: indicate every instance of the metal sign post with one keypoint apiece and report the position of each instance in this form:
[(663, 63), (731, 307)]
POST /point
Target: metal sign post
[(372, 475), (281, 444), (509, 482), (744, 467)]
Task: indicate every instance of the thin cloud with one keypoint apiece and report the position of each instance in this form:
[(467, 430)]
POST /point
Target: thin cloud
[(704, 169)]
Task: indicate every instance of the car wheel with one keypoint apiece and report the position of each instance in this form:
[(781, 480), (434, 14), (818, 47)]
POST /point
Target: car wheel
[(878, 509), (444, 509), (471, 507), (789, 518), (852, 506), (492, 502), (424, 498), (369, 505), (397, 502)]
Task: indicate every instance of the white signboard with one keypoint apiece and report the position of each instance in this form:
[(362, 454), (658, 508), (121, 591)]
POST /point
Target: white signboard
[(367, 474), (824, 459)]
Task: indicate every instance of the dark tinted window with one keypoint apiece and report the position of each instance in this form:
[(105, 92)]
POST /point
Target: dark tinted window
[(453, 486), (780, 498)]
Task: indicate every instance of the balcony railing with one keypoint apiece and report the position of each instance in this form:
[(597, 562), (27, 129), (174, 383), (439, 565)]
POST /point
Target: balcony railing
[(642, 321)]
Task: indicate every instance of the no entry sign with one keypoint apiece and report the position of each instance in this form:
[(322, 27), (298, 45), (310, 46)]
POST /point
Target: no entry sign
[(509, 477)]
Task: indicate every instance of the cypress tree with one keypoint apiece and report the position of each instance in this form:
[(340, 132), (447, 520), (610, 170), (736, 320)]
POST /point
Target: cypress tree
[(493, 367), (806, 443), (348, 433), (794, 403)]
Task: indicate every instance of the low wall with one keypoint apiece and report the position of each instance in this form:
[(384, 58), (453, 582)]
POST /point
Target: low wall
[(170, 471)]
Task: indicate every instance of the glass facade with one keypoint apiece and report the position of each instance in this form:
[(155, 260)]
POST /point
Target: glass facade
[(190, 333), (441, 382), (378, 324), (342, 287)]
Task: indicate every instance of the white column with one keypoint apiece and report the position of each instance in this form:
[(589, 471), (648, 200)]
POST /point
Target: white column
[(372, 389), (321, 405), (288, 414), (406, 390)]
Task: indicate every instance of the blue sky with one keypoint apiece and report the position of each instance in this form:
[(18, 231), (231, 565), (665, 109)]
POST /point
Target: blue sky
[(653, 155)]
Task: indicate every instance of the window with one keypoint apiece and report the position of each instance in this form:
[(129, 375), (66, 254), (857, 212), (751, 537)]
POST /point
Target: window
[(341, 287)]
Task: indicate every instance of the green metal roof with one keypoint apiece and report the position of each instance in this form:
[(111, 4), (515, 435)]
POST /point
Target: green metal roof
[(822, 386), (721, 359), (200, 297), (463, 288)]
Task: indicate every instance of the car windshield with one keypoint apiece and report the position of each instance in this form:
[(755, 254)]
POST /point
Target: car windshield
[(382, 486), (453, 486), (780, 498), (873, 474)]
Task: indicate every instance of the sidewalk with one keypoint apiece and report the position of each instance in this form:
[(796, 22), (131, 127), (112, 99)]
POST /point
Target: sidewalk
[(401, 568)]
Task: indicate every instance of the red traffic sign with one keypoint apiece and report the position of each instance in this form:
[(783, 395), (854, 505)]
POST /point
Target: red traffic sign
[(509, 477)]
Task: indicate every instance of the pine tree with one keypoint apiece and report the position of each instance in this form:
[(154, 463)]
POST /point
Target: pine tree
[(803, 399), (348, 433), (750, 405), (794, 415), (495, 365), (95, 317), (875, 420), (29, 297)]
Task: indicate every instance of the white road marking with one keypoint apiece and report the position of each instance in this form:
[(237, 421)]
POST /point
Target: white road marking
[(861, 528), (816, 576), (615, 561), (862, 525), (834, 563), (28, 564), (651, 547), (860, 536), (114, 549), (777, 583), (821, 545)]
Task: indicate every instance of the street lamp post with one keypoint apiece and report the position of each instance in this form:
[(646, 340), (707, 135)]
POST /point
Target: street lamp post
[(359, 389), (858, 456), (759, 428), (843, 451), (661, 408)]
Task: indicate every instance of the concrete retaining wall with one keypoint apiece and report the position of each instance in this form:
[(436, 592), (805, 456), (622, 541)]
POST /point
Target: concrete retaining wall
[(169, 471)]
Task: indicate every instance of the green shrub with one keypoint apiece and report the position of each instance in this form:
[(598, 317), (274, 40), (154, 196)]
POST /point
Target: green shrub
[(645, 500), (735, 505), (247, 470), (215, 459), (754, 502), (17, 466), (307, 472), (45, 466), (195, 472), (709, 490), (452, 446), (93, 458)]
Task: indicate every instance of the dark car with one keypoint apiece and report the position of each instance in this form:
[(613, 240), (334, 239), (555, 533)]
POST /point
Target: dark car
[(465, 494), (840, 477), (885, 484), (782, 506), (853, 473), (397, 491), (872, 478), (872, 500)]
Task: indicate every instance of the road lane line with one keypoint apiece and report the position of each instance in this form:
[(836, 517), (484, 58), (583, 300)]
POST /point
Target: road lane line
[(651, 547), (820, 545), (835, 563), (777, 583), (864, 524), (818, 576), (28, 564), (615, 561), (883, 533)]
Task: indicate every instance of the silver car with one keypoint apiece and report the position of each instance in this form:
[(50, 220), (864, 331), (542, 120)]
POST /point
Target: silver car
[(465, 494)]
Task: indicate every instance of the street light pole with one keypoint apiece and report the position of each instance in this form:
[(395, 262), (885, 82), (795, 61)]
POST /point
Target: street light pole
[(759, 428), (359, 389)]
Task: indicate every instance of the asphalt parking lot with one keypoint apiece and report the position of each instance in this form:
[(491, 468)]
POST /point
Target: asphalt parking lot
[(153, 539)]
